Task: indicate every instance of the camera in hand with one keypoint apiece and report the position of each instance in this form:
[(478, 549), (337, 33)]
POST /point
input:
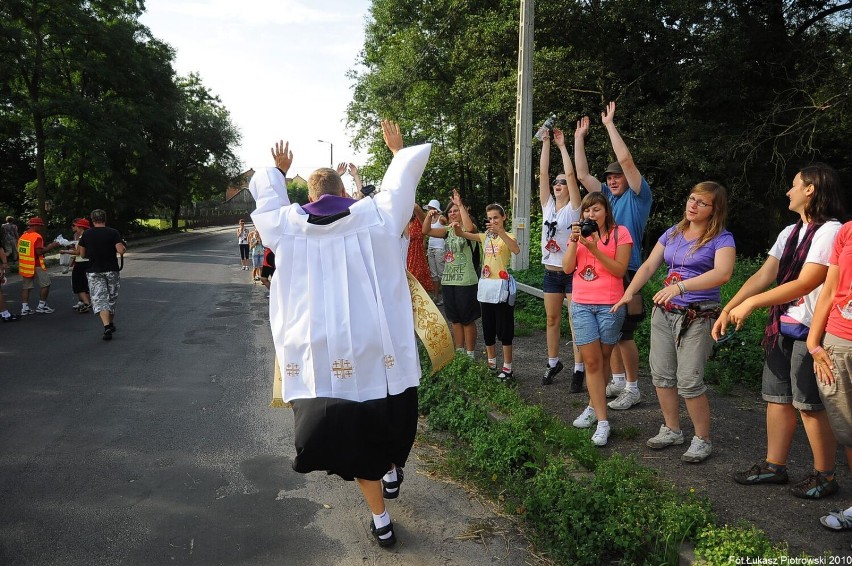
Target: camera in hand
[(588, 227)]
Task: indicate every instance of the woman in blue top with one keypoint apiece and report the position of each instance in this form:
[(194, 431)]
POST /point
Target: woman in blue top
[(700, 255)]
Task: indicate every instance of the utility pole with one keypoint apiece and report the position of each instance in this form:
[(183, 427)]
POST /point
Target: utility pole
[(521, 179), (331, 152)]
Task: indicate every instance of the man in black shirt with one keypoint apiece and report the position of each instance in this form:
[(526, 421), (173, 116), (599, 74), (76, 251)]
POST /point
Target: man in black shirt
[(100, 245)]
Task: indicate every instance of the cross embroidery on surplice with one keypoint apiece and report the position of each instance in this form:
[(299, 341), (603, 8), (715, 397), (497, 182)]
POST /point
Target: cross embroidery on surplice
[(292, 370), (341, 368), (389, 362)]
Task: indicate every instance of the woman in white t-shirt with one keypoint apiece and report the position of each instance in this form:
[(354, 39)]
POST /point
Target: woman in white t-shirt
[(789, 282), (560, 208)]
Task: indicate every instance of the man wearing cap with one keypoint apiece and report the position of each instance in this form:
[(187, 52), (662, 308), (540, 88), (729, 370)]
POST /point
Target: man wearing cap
[(435, 250), (31, 266), (630, 196), (100, 245), (79, 281)]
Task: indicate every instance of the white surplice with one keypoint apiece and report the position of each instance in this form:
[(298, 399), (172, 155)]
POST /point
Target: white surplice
[(340, 308)]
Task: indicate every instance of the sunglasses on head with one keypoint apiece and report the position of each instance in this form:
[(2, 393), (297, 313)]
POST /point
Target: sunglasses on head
[(560, 182)]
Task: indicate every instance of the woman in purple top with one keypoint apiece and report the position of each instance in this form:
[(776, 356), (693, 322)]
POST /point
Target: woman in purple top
[(700, 256)]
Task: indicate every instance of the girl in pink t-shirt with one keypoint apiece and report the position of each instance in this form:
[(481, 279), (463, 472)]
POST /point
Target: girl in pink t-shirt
[(601, 259)]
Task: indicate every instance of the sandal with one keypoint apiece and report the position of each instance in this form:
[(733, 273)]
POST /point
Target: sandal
[(841, 517), (383, 542), (390, 489)]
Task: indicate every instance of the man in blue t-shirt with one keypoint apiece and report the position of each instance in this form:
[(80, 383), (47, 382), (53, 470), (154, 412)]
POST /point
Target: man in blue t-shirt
[(630, 196)]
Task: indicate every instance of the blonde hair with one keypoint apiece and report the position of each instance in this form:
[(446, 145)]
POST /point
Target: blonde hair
[(716, 222), (324, 181)]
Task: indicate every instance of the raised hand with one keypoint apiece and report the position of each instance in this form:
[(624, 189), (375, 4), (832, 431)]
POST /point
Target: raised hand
[(558, 137), (282, 155), (582, 128), (456, 198), (609, 114), (341, 168), (392, 136), (353, 169)]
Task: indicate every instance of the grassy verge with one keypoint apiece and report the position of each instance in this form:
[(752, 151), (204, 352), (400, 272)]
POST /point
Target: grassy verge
[(579, 507)]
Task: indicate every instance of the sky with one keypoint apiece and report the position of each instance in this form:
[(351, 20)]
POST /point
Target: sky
[(279, 66)]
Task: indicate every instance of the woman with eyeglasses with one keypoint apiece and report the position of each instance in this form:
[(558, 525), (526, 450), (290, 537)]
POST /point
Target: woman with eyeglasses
[(599, 250), (559, 210), (789, 282), (699, 254)]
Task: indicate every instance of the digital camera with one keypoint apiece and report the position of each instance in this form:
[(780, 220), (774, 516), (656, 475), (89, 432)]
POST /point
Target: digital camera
[(588, 227)]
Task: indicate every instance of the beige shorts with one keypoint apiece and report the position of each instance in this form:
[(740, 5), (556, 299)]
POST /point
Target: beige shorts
[(41, 278), (837, 397)]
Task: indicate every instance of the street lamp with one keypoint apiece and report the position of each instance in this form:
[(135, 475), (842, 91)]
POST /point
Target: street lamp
[(331, 152)]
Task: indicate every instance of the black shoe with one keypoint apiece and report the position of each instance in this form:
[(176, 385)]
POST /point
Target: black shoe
[(11, 318), (506, 377), (815, 486), (383, 542), (577, 382), (387, 486), (551, 373), (108, 332), (112, 327), (760, 474)]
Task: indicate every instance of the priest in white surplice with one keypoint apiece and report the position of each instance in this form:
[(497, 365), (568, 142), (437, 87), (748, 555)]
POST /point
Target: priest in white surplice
[(341, 317)]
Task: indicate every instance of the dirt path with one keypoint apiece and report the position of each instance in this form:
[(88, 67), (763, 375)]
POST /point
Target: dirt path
[(739, 441)]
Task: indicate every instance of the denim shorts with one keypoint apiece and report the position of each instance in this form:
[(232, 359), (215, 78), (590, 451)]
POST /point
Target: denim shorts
[(595, 322), (557, 282), (788, 376)]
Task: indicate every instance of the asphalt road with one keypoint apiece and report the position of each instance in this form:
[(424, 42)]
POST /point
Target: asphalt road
[(158, 447)]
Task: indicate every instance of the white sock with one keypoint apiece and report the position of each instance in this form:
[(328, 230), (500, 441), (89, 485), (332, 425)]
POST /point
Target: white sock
[(492, 363), (459, 349), (632, 386), (832, 522), (619, 378), (5, 313), (42, 304), (603, 425), (391, 475), (470, 354), (25, 307), (382, 520), (507, 367), (552, 362), (580, 367)]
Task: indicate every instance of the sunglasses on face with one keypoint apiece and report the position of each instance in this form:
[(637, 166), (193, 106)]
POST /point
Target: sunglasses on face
[(560, 182)]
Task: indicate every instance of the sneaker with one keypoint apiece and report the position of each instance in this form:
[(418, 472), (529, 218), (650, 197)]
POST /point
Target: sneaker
[(108, 332), (378, 533), (586, 419), (78, 305), (506, 376), (614, 389), (815, 486), (84, 308), (390, 489), (44, 309), (760, 474), (666, 437), (439, 303), (601, 435), (11, 318), (699, 450), (577, 382), (551, 373), (26, 312), (626, 400)]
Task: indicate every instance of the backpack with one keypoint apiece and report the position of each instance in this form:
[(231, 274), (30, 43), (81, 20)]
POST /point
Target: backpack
[(476, 254)]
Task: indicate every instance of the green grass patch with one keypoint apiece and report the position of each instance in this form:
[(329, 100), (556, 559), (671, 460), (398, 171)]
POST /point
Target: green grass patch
[(579, 507)]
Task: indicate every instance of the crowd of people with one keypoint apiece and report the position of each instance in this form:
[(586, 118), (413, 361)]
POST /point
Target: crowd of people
[(591, 250), (94, 264)]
